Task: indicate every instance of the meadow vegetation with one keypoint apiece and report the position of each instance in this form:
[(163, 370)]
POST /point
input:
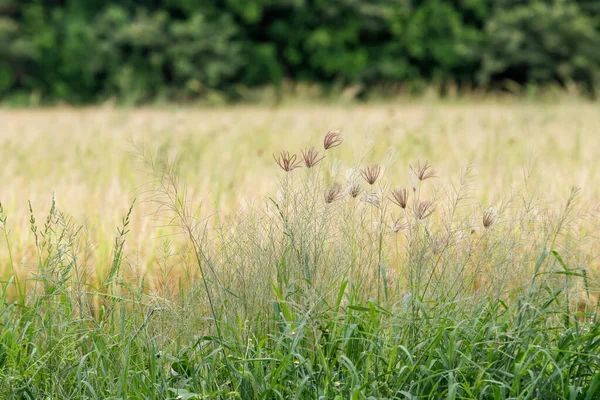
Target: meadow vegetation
[(425, 250)]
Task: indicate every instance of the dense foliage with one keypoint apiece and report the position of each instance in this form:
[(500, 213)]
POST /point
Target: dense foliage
[(86, 51)]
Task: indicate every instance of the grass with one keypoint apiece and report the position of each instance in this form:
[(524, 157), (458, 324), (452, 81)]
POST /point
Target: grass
[(359, 277)]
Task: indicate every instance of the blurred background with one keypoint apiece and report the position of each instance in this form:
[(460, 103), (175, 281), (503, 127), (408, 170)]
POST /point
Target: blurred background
[(223, 85), (136, 52)]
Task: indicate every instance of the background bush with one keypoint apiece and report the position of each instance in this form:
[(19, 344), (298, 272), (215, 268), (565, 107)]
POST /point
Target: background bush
[(80, 52)]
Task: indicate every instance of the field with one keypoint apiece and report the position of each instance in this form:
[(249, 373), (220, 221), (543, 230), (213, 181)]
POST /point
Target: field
[(231, 278)]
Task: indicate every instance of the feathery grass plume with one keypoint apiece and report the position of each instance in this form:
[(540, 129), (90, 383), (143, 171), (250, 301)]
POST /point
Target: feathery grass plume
[(400, 197), (489, 217), (332, 139), (398, 223), (371, 173), (371, 198), (282, 194), (286, 161), (310, 156), (354, 190), (424, 172), (333, 193), (423, 209), (335, 168), (352, 174)]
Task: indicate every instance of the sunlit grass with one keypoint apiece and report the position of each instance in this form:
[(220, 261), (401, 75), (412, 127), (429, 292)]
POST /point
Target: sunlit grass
[(84, 156), (368, 273)]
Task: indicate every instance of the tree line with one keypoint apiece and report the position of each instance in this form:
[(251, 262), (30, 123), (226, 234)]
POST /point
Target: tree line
[(88, 51)]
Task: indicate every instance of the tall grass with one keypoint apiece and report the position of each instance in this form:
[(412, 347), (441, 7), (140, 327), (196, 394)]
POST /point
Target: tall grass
[(82, 156), (343, 283)]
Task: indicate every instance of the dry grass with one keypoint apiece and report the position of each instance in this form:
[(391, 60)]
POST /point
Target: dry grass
[(85, 158), (366, 272)]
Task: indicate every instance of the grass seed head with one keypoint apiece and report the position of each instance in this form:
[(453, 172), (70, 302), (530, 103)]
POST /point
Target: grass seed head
[(286, 161), (354, 190), (371, 173), (310, 156), (423, 209), (424, 172), (332, 139), (398, 224), (438, 243), (400, 197), (333, 193), (489, 217), (372, 199)]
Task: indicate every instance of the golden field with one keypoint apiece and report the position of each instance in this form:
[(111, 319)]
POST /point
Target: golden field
[(85, 157)]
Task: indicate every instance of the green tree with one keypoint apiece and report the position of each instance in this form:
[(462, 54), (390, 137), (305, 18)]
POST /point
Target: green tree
[(541, 41)]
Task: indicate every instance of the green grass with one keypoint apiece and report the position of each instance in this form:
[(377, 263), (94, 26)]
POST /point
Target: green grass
[(491, 351), (300, 296)]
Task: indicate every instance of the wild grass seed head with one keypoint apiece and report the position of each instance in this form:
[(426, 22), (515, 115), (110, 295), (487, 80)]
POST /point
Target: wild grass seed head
[(286, 161), (354, 190), (332, 139), (489, 217), (370, 173), (372, 199), (400, 197), (333, 193), (311, 158), (423, 209), (424, 172)]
